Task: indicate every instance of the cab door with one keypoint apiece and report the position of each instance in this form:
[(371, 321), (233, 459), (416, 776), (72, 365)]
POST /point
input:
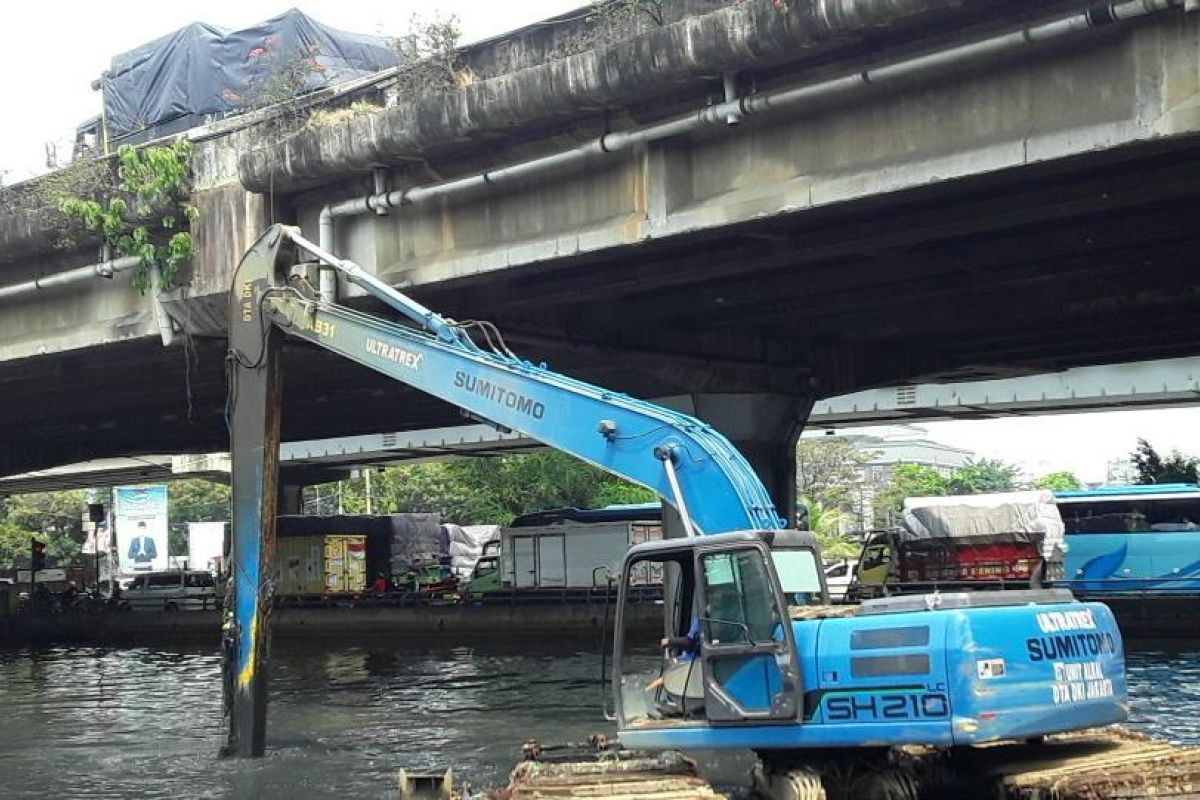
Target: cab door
[(874, 567), (751, 671)]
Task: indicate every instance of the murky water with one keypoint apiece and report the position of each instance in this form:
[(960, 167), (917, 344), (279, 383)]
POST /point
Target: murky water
[(1164, 688), (146, 723)]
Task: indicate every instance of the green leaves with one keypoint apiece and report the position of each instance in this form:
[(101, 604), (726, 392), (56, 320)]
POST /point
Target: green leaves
[(984, 475), (152, 198), (53, 517), (1154, 468), (1057, 482), (483, 490)]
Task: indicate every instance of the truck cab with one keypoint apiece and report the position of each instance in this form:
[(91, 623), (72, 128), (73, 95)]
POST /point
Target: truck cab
[(485, 577), (1006, 540)]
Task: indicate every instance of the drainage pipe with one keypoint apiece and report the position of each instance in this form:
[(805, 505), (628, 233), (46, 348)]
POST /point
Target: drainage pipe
[(103, 269), (166, 329), (732, 110)]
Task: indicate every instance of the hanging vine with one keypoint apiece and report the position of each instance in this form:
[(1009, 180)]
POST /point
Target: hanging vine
[(147, 214)]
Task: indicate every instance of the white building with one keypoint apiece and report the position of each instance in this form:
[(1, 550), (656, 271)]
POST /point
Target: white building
[(1120, 472), (897, 444)]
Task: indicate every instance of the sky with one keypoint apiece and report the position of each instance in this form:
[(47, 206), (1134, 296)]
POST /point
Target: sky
[(53, 51), (1078, 443)]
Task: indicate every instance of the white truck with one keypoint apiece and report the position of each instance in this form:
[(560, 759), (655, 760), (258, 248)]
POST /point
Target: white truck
[(569, 554)]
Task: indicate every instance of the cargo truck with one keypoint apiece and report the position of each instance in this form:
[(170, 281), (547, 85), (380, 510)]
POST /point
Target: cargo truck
[(1010, 540), (320, 566), (561, 551)]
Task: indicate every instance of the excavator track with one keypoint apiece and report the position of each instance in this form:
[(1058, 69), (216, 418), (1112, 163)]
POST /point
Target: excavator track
[(596, 770), (1105, 764), (1108, 764)]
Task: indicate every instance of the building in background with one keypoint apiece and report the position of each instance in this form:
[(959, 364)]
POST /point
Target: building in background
[(1120, 472), (885, 447)]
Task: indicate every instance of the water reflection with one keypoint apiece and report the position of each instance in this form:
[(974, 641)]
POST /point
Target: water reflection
[(146, 723), (1164, 689)]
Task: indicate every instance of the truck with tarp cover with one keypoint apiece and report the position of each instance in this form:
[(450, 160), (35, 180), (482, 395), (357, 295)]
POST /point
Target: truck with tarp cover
[(1010, 540)]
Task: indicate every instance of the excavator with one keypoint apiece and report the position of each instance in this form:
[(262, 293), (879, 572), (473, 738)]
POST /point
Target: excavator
[(751, 656)]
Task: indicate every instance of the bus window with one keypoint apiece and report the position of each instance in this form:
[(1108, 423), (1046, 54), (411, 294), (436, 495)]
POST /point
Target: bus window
[(1131, 516)]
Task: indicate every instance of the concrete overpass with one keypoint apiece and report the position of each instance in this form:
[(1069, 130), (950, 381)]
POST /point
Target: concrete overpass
[(748, 207), (1169, 383)]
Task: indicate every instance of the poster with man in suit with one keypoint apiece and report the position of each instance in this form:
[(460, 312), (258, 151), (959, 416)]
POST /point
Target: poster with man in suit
[(140, 519)]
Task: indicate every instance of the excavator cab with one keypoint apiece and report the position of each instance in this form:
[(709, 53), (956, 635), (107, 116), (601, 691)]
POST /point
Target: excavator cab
[(718, 647)]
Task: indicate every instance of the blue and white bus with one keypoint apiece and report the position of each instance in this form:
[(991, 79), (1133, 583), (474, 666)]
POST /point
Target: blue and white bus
[(1127, 539)]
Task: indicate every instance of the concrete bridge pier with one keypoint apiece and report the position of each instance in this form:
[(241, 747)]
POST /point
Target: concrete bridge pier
[(291, 498), (764, 427)]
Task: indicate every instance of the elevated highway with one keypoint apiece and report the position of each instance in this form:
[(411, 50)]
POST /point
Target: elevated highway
[(1171, 383), (750, 208)]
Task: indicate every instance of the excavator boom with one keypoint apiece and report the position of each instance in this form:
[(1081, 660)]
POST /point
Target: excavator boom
[(686, 462)]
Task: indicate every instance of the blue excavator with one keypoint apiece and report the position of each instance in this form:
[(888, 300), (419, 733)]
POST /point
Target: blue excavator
[(751, 655)]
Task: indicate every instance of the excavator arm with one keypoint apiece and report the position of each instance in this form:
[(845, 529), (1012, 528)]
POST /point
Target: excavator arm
[(686, 462)]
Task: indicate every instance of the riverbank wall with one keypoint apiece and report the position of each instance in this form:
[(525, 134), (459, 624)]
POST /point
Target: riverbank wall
[(450, 623)]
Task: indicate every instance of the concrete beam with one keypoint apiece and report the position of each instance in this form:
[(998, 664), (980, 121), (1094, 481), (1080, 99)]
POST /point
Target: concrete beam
[(748, 35), (1173, 382)]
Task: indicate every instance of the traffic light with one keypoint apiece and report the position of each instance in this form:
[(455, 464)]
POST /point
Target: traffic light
[(37, 556)]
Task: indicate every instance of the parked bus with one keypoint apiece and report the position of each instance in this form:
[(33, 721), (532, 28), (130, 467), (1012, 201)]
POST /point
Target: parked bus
[(1123, 539)]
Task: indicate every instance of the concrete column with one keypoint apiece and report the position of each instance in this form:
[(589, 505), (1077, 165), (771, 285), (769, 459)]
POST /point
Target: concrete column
[(667, 176), (290, 498), (765, 428)]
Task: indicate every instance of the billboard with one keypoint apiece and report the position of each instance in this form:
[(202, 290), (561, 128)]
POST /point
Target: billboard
[(140, 519), (206, 545)]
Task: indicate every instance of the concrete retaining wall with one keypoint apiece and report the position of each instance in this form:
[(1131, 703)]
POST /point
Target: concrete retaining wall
[(444, 623)]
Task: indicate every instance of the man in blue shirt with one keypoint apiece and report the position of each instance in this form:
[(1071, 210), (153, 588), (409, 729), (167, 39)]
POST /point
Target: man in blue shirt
[(686, 646)]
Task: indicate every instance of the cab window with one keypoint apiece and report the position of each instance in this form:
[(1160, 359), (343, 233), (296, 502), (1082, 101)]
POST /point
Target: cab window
[(799, 576), (740, 599), (876, 556)]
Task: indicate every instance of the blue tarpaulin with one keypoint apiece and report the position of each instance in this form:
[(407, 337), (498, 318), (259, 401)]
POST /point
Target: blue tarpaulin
[(201, 72)]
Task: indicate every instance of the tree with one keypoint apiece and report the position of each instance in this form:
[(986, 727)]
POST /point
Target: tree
[(193, 500), (830, 474), (1057, 482), (491, 490), (826, 524), (907, 480), (14, 544), (54, 517), (983, 476), (1153, 468)]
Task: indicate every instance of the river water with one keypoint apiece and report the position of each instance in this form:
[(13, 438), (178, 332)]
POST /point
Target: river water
[(146, 723)]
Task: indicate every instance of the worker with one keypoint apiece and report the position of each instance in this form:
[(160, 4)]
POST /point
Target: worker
[(688, 645), (681, 680), (380, 586)]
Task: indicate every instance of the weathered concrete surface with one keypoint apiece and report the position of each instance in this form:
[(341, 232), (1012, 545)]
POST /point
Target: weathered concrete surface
[(1024, 214), (748, 35)]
